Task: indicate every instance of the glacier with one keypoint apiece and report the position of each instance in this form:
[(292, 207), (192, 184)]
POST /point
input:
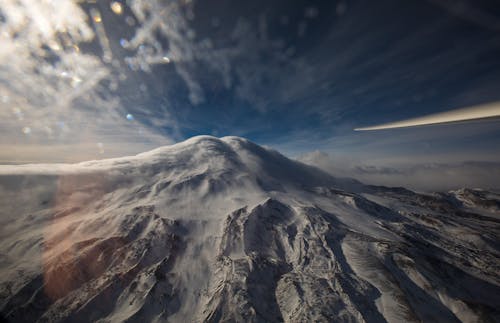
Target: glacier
[(222, 230)]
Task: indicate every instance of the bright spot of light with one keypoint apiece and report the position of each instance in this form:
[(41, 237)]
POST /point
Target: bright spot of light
[(117, 7), (130, 117), (26, 130), (55, 46), (96, 16), (166, 59)]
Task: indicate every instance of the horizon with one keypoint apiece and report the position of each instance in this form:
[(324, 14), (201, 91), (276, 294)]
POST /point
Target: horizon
[(317, 159)]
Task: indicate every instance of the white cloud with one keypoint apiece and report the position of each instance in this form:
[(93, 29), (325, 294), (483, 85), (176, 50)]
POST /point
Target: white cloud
[(425, 176), (61, 93)]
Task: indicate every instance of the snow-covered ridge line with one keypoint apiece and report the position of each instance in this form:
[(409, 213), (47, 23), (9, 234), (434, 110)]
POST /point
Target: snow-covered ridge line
[(212, 230), (54, 167)]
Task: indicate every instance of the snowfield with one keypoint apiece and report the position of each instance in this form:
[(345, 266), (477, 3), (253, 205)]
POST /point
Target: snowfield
[(212, 230)]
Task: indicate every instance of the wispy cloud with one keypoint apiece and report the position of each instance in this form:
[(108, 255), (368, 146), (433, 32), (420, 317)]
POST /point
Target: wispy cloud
[(72, 71), (64, 65), (55, 92)]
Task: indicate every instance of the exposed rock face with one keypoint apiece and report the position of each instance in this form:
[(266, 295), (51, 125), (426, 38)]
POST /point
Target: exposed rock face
[(225, 230)]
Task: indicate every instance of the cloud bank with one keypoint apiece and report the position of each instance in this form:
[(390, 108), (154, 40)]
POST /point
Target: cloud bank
[(418, 176)]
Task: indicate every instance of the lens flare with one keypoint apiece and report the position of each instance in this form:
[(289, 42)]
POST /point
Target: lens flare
[(117, 7)]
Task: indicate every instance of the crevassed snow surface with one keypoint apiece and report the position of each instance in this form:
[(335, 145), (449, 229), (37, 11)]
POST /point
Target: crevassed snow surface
[(213, 230)]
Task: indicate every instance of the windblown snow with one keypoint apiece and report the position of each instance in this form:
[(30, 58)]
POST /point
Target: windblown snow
[(213, 230)]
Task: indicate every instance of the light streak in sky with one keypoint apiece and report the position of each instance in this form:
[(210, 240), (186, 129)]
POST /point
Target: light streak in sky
[(486, 111)]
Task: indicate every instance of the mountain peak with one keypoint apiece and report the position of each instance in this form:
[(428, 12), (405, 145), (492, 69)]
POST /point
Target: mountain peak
[(222, 229)]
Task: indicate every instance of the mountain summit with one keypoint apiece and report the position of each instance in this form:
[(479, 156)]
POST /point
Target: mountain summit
[(212, 230)]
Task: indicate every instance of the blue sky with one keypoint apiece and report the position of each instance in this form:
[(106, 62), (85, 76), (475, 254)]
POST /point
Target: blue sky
[(366, 63), (312, 71), (297, 76)]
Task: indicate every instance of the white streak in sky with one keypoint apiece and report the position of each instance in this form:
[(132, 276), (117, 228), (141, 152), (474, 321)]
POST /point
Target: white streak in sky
[(471, 113)]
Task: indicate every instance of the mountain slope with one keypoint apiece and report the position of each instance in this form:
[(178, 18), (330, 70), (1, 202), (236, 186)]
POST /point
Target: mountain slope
[(225, 230)]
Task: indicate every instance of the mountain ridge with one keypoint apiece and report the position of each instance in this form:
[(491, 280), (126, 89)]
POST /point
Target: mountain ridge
[(212, 230)]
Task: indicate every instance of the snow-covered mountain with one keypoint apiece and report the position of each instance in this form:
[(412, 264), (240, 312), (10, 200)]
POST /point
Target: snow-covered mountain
[(213, 230)]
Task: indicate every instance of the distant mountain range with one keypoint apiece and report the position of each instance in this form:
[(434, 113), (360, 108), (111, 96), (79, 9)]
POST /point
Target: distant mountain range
[(222, 230)]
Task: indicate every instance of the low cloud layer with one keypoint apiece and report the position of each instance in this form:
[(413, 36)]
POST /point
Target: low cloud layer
[(422, 176)]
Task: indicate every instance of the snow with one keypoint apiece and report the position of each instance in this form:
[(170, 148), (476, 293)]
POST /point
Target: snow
[(215, 229)]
